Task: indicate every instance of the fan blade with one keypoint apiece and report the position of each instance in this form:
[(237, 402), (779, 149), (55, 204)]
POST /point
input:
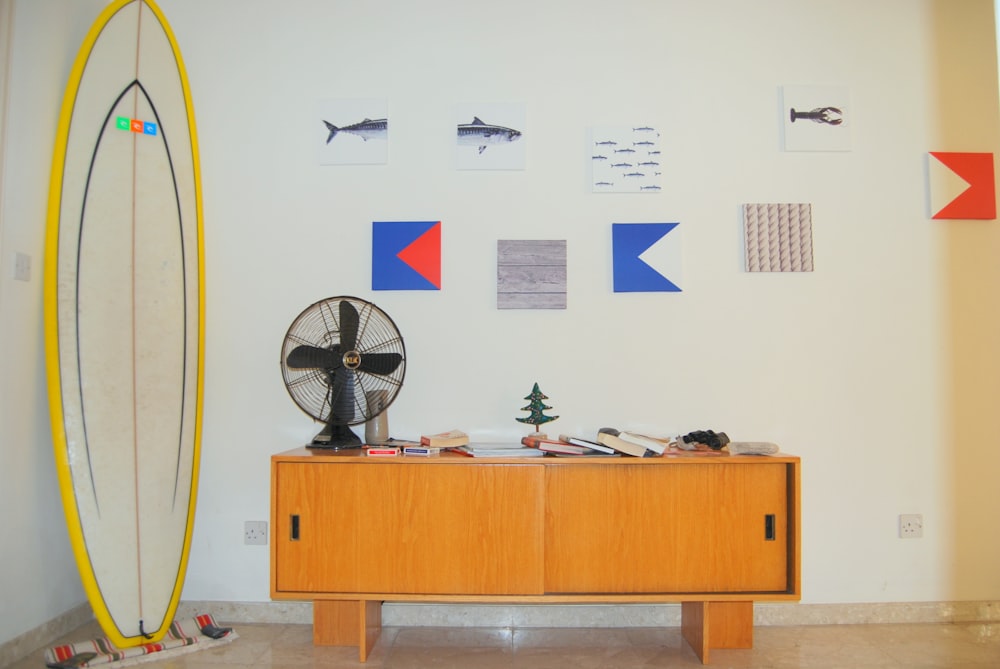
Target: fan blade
[(314, 357), (348, 326), (380, 363)]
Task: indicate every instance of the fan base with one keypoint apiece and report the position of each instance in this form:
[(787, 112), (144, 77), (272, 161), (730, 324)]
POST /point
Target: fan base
[(333, 447), (336, 437)]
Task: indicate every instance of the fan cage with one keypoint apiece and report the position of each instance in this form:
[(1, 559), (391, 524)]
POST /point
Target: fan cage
[(319, 325)]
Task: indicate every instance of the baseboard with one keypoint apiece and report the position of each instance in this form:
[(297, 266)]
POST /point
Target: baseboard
[(407, 614), (544, 615), (25, 644)]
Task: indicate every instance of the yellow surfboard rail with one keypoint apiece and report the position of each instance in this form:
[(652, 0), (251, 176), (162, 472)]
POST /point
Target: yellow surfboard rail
[(52, 353)]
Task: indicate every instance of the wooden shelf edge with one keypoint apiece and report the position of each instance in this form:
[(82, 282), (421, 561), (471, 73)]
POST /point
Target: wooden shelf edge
[(669, 598), (307, 455)]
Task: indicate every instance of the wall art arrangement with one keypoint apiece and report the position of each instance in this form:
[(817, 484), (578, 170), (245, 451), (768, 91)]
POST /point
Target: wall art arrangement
[(406, 255), (531, 274), (646, 257), (625, 159), (778, 237), (816, 118), (353, 132), (961, 185), (490, 136)]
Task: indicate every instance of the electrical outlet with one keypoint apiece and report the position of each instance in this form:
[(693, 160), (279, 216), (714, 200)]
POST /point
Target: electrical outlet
[(22, 266), (255, 533), (911, 526)]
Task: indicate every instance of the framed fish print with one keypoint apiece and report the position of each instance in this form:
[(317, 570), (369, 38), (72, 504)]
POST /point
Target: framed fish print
[(352, 132), (490, 136)]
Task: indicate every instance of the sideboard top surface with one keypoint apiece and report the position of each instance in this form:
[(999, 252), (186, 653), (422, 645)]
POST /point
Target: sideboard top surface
[(449, 457)]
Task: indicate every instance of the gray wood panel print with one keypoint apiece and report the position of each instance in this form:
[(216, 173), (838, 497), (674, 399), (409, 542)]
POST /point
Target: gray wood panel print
[(531, 274)]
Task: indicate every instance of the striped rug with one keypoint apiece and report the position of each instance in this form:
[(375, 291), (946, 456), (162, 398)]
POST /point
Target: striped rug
[(184, 636)]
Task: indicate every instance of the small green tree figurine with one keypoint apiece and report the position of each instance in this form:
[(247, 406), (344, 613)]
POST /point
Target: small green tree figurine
[(536, 406)]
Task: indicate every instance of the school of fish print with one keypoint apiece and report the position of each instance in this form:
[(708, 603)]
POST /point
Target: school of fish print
[(626, 159)]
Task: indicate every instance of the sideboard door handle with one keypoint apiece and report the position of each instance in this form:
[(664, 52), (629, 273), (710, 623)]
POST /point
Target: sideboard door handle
[(769, 528), (295, 527)]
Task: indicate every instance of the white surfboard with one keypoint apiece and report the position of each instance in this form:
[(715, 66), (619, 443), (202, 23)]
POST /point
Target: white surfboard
[(124, 314)]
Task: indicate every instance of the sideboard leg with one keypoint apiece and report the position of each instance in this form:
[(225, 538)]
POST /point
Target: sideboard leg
[(335, 622), (371, 626), (694, 627), (707, 625), (347, 623)]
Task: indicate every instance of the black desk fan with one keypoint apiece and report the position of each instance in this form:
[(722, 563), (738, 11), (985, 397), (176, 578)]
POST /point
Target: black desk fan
[(343, 362)]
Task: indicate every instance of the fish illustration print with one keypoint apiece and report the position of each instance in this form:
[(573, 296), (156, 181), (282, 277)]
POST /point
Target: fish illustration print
[(367, 129), (480, 134)]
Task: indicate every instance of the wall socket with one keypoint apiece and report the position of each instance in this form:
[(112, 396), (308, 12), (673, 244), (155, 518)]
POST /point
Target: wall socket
[(22, 266), (255, 533), (911, 526)]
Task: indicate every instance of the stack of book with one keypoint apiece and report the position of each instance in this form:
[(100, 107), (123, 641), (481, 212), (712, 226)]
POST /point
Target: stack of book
[(499, 451), (407, 447), (609, 442), (563, 446), (631, 443), (449, 439)]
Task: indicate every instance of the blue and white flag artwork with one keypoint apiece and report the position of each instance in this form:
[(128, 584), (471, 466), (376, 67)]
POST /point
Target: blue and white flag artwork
[(647, 257)]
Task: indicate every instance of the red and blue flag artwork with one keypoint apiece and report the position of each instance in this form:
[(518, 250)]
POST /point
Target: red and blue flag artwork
[(406, 255), (644, 254)]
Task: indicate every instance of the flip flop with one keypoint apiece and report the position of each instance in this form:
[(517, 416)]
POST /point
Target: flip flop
[(215, 632)]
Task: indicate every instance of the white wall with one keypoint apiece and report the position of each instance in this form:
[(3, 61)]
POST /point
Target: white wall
[(876, 368), (39, 578)]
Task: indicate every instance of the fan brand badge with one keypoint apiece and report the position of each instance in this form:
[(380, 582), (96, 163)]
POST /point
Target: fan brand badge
[(352, 360)]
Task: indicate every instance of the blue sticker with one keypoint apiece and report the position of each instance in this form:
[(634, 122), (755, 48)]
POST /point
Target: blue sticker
[(148, 128)]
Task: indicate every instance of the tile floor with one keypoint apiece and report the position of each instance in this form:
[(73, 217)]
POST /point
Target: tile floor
[(895, 646)]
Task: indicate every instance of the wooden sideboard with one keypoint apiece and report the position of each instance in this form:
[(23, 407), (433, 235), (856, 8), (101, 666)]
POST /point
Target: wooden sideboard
[(715, 533)]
